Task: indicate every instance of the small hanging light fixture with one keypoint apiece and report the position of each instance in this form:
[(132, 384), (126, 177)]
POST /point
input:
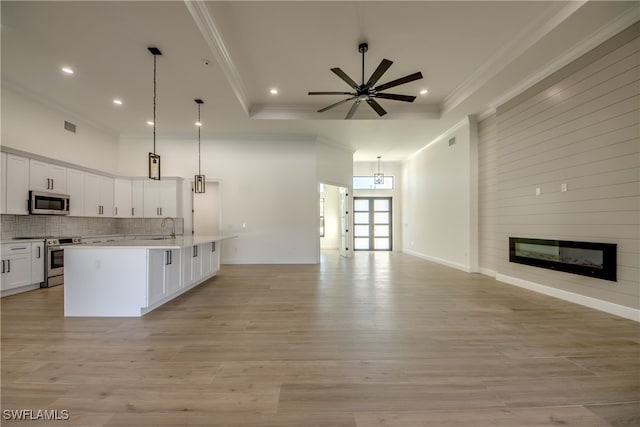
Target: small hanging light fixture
[(198, 182), (378, 178), (154, 159)]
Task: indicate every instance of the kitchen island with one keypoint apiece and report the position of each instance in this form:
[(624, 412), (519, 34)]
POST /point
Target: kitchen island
[(129, 278)]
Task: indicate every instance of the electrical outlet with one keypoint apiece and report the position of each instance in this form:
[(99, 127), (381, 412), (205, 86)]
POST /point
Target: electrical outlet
[(564, 187), (538, 191)]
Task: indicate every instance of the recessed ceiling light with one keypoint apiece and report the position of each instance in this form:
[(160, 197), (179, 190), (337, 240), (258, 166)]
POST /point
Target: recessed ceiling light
[(117, 101), (424, 92), (198, 124), (274, 91), (67, 70), (150, 122)]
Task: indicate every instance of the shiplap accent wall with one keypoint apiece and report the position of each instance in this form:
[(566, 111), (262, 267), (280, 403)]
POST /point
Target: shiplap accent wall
[(580, 126), (487, 244)]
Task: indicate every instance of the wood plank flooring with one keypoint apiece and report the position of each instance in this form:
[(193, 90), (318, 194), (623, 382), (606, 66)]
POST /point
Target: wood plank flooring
[(384, 339)]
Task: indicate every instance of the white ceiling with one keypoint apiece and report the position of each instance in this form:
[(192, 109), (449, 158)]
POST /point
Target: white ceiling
[(473, 55)]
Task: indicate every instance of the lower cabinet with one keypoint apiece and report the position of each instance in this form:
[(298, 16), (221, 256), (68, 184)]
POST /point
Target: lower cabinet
[(199, 262), (16, 265), (37, 262), (164, 274)]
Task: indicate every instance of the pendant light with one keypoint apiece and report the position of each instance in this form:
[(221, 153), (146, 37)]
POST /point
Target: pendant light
[(378, 178), (198, 182), (154, 159)]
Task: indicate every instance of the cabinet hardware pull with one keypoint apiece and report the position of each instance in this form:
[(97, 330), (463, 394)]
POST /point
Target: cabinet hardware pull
[(18, 249), (52, 184), (213, 246), (8, 266), (133, 212), (116, 208), (2, 266), (38, 251)]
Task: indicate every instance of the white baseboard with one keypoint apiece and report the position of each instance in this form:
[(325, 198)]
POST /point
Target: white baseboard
[(607, 307), (487, 272), (451, 264)]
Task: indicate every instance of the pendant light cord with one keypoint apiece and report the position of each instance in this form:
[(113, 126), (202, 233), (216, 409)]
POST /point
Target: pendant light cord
[(154, 104), (199, 173)]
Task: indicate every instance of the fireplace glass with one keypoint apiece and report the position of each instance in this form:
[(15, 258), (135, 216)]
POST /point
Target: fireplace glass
[(584, 258)]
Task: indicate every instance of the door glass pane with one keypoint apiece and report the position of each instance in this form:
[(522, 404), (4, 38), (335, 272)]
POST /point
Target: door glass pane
[(361, 231), (381, 205), (361, 205), (381, 231), (381, 243), (381, 218), (361, 218), (361, 243)]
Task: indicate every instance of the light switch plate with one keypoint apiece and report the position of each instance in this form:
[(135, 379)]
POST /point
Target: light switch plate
[(564, 187), (538, 192)]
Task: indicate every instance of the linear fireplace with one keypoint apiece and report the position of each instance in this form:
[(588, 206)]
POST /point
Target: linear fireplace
[(584, 258)]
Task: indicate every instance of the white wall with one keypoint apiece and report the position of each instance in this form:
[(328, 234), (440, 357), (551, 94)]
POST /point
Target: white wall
[(438, 192), (269, 190), (30, 126)]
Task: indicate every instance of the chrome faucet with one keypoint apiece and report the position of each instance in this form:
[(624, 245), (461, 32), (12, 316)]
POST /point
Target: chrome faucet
[(173, 227)]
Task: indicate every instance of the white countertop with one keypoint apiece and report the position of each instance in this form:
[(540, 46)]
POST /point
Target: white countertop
[(3, 241), (178, 242)]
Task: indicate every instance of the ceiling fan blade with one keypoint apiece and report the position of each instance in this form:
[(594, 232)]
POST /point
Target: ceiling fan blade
[(335, 105), (353, 109), (331, 93), (396, 97), (343, 76), (377, 107), (382, 68), (400, 81)]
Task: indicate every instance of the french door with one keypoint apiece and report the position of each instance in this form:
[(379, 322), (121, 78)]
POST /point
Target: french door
[(372, 228)]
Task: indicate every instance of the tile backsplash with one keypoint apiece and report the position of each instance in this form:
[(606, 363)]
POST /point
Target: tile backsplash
[(50, 225)]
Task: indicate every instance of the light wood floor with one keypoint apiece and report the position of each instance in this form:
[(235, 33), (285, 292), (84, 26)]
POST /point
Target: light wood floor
[(381, 340)]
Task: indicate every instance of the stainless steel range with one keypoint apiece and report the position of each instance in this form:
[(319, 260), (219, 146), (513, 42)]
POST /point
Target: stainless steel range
[(55, 259)]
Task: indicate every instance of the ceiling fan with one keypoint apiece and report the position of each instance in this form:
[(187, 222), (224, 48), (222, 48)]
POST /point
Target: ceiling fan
[(367, 91)]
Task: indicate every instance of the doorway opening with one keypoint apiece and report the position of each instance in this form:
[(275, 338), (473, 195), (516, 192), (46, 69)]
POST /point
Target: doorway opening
[(207, 210), (334, 219), (372, 224)]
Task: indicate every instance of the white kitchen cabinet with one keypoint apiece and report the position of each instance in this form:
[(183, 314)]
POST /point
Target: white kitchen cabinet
[(75, 190), (161, 198), (123, 198), (47, 177), (98, 195), (16, 194), (191, 264), (164, 274), (199, 262), (16, 265), (37, 262), (209, 259), (137, 198)]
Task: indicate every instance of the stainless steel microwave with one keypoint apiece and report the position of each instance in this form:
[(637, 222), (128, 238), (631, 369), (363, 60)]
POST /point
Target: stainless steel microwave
[(43, 203)]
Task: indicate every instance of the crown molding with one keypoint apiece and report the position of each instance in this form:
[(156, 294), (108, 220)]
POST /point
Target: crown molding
[(212, 36), (536, 30), (310, 112), (603, 34)]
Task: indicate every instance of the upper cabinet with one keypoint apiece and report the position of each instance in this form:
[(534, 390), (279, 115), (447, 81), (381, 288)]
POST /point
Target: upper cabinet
[(98, 195), (137, 198), (161, 198), (123, 198), (75, 190), (47, 177), (15, 196)]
